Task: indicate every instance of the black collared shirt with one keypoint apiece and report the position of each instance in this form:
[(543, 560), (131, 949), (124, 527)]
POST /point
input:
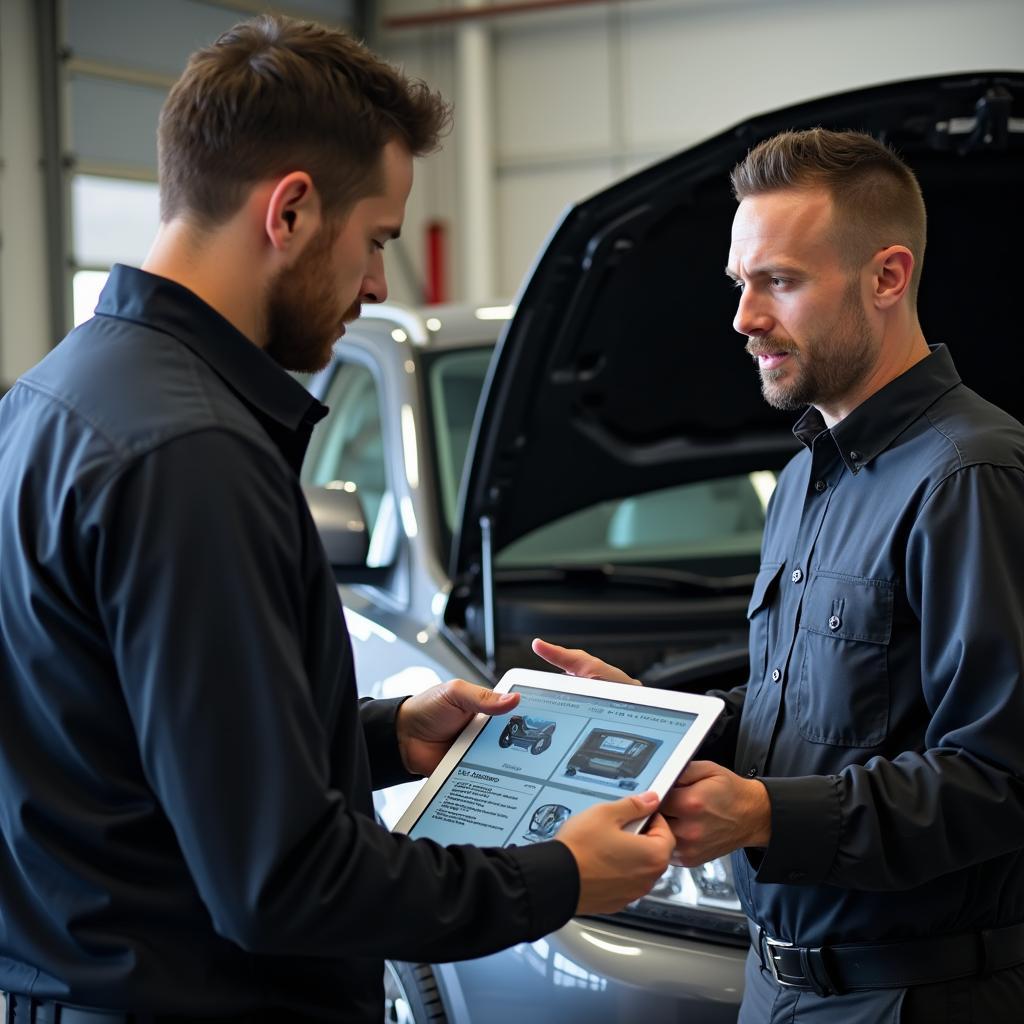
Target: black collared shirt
[(885, 706), (186, 823)]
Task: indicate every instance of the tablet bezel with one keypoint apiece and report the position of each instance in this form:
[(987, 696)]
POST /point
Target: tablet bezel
[(707, 709)]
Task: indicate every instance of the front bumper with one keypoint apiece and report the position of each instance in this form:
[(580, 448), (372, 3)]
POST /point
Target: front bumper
[(599, 972)]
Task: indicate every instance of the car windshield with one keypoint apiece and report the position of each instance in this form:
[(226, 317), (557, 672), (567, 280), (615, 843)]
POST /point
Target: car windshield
[(721, 518)]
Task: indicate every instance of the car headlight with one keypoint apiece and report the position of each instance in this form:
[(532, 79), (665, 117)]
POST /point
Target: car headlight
[(693, 901)]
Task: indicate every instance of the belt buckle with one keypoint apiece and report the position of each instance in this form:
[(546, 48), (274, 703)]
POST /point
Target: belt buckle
[(773, 965)]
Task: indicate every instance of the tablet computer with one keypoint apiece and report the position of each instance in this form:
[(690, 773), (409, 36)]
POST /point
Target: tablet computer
[(515, 779)]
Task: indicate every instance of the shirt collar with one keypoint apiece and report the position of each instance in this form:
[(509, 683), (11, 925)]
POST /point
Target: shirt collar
[(880, 419), (164, 305)]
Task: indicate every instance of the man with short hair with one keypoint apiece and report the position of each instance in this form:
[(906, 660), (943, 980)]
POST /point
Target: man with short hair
[(186, 824), (877, 803)]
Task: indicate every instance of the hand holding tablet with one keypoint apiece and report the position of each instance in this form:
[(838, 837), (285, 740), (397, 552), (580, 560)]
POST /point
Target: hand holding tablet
[(569, 745), (617, 866)]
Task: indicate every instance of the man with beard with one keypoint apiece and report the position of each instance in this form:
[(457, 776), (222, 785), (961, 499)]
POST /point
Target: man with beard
[(876, 809), (186, 824)]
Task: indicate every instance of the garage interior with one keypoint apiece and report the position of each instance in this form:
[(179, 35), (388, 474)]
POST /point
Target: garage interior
[(554, 100)]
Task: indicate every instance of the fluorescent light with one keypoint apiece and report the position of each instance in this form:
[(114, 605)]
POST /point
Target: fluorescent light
[(399, 335), (433, 324)]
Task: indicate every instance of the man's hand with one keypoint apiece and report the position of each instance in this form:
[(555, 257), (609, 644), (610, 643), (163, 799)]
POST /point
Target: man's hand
[(616, 867), (712, 811), (579, 663), (428, 722)]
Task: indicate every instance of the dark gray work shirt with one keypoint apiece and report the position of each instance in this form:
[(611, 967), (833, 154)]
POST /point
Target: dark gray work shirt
[(885, 706), (186, 821)]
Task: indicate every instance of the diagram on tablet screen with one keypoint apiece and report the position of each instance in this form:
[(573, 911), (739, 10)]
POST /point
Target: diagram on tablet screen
[(527, 773)]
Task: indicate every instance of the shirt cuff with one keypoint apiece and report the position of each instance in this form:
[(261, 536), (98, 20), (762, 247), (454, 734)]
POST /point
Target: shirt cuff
[(805, 831), (378, 718), (551, 878)]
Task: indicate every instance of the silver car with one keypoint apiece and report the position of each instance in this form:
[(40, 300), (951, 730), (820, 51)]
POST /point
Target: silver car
[(594, 467)]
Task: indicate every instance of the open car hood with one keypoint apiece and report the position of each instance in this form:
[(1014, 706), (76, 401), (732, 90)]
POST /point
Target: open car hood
[(620, 372)]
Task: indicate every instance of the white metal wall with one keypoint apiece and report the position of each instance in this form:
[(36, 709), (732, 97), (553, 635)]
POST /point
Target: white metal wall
[(577, 97), (582, 96)]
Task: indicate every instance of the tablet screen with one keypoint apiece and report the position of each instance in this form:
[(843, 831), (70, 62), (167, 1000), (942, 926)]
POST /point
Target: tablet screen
[(525, 773)]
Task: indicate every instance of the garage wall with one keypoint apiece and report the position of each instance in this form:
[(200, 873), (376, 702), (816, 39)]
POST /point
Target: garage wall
[(578, 97), (111, 63), (24, 300), (582, 96)]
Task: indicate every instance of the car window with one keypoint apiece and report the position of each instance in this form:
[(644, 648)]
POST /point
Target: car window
[(456, 380), (722, 517), (346, 450)]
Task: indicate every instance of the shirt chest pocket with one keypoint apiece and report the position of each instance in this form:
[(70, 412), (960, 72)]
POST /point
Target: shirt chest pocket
[(843, 688), (758, 618)]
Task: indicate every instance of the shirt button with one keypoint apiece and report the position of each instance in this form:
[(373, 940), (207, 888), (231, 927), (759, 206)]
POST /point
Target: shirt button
[(835, 622), (855, 456), (776, 676), (820, 485), (797, 576), (752, 772)]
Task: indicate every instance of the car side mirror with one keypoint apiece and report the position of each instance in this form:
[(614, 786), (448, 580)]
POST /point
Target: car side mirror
[(341, 522)]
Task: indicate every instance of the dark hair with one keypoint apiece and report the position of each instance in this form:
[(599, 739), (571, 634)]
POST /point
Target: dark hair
[(273, 95), (876, 197)]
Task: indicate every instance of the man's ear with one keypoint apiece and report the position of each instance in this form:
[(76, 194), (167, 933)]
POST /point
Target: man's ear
[(293, 214), (893, 268)]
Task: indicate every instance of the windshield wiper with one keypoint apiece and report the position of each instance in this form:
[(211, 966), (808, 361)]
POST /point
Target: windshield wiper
[(675, 580)]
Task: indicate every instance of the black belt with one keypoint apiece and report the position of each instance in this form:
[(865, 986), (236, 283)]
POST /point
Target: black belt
[(26, 1010), (832, 970)]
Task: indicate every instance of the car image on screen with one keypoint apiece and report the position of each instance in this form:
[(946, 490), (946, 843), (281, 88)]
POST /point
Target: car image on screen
[(532, 733)]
